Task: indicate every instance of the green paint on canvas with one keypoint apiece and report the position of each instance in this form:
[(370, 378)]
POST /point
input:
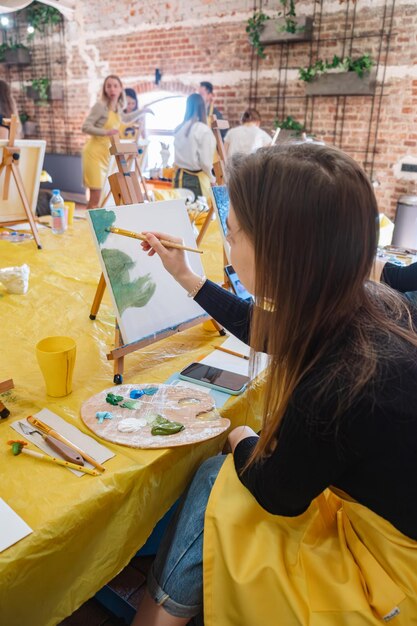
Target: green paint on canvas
[(102, 220), (127, 293)]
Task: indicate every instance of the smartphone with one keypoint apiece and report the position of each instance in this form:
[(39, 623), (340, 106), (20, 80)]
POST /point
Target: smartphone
[(236, 285), (214, 377)]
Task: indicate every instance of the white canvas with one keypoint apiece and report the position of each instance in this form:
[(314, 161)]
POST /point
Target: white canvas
[(12, 527), (169, 304), (32, 153)]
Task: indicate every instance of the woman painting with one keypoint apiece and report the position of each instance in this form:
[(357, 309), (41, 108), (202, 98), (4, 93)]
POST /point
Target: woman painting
[(314, 521)]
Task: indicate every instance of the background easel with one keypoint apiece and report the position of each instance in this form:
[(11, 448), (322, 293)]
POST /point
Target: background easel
[(275, 137), (219, 167), (10, 163), (5, 385), (126, 154), (126, 189)]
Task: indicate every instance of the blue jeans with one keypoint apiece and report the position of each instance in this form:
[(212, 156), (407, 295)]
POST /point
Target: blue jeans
[(175, 579)]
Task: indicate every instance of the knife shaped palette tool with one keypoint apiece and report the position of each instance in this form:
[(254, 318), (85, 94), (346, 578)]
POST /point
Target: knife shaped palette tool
[(51, 432), (62, 449)]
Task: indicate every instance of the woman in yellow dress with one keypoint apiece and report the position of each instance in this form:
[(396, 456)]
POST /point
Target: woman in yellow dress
[(314, 522), (7, 108), (104, 120)]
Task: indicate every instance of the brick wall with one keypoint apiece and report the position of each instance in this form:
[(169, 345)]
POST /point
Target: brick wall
[(196, 40)]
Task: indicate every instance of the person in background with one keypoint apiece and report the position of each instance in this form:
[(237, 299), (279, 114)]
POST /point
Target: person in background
[(131, 100), (206, 91), (313, 520), (248, 137), (194, 146), (131, 131), (7, 107), (103, 121)]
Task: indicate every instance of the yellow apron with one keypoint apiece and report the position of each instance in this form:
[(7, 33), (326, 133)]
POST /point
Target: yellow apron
[(96, 155), (337, 564), (129, 131), (205, 189)]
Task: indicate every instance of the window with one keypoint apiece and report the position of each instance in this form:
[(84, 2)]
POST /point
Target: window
[(169, 112)]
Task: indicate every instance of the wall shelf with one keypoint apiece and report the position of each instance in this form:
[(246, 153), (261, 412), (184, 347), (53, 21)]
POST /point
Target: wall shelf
[(273, 31), (342, 84)]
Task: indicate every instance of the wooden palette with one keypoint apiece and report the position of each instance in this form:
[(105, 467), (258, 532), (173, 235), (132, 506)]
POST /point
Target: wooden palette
[(195, 409)]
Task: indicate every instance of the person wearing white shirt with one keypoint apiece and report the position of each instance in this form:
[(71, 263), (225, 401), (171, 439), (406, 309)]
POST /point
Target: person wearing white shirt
[(194, 146), (248, 137)]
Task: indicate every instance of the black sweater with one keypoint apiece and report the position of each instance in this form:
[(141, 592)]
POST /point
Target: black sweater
[(400, 277), (370, 452)]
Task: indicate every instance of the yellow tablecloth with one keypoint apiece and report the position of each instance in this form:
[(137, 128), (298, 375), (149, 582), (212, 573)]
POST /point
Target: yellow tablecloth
[(85, 529)]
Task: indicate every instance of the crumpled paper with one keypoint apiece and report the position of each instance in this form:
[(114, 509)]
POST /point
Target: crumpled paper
[(15, 279)]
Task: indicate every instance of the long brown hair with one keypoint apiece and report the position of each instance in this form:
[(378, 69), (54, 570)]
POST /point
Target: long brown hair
[(7, 102), (121, 102), (311, 214)]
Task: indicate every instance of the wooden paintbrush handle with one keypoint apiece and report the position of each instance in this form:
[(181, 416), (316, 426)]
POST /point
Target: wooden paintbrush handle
[(50, 431), (85, 456), (52, 459)]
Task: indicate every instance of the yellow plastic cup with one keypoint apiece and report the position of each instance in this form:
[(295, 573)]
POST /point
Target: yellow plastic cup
[(69, 210), (56, 358)]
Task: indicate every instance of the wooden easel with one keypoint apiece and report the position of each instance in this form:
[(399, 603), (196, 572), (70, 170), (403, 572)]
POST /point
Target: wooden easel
[(10, 163), (275, 137), (5, 385), (126, 189), (125, 155), (219, 167)]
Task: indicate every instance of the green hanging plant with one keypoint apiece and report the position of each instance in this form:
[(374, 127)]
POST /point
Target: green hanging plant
[(289, 123), (10, 45), (254, 29), (361, 66), (41, 85), (3, 48), (289, 16), (41, 15), (256, 24)]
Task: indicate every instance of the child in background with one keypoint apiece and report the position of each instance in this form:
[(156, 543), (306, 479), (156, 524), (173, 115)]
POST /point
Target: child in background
[(134, 130), (248, 137)]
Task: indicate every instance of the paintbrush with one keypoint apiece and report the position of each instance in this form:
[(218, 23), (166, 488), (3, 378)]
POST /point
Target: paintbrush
[(141, 236), (52, 433), (242, 356), (18, 448)]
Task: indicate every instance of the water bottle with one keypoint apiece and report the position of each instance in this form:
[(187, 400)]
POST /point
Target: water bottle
[(57, 207)]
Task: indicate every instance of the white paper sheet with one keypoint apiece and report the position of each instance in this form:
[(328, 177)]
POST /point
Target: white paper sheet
[(86, 443), (185, 383), (236, 364), (12, 527)]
